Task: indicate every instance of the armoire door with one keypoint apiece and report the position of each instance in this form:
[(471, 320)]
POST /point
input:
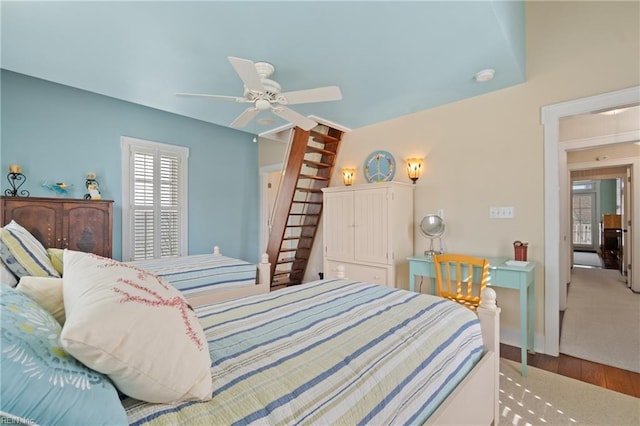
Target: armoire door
[(42, 219), (371, 215), (338, 225), (87, 227)]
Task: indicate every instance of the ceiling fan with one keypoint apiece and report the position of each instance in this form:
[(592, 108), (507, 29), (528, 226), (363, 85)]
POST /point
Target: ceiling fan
[(267, 94)]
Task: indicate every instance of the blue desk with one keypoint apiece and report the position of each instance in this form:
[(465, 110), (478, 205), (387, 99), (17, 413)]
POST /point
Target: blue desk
[(501, 275)]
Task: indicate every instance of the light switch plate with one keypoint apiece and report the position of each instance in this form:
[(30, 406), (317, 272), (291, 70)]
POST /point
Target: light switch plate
[(501, 212)]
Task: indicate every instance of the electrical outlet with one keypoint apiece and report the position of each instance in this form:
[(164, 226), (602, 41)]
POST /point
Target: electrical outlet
[(441, 213), (501, 212)]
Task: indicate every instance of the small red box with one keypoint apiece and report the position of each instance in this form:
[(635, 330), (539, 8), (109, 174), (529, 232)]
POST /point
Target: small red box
[(520, 252)]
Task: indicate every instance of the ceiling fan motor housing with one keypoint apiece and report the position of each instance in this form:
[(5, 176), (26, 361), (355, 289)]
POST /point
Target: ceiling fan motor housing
[(271, 90), (264, 69)]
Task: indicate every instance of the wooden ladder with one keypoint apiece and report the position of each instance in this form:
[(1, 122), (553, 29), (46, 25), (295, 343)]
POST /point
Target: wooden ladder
[(298, 206)]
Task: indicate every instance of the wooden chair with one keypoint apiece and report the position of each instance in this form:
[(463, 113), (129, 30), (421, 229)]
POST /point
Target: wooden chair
[(461, 278)]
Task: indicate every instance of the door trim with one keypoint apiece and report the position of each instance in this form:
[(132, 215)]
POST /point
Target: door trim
[(554, 156), (631, 163), (264, 204)]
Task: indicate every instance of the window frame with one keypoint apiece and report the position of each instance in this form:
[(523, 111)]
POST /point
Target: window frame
[(130, 145)]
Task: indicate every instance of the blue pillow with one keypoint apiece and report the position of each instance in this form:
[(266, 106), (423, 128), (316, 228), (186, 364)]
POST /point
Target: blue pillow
[(42, 383), (11, 262)]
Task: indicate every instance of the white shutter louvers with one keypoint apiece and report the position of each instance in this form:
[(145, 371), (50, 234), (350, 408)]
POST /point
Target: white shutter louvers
[(155, 209)]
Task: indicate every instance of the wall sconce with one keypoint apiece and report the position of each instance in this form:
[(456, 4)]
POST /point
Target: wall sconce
[(347, 176), (414, 168)]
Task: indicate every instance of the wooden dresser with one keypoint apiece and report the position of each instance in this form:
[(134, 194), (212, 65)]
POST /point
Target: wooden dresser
[(82, 225)]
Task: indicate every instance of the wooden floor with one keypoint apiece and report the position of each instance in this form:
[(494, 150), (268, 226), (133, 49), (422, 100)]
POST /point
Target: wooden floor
[(612, 378)]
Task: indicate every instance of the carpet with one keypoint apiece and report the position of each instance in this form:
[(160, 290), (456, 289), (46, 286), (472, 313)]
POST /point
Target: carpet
[(544, 398), (602, 319), (581, 258)]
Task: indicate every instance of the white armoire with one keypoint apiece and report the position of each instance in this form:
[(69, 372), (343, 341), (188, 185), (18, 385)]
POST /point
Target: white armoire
[(369, 229)]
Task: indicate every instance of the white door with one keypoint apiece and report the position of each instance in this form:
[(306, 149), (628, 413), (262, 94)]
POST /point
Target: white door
[(371, 210), (627, 234), (269, 184), (338, 225)]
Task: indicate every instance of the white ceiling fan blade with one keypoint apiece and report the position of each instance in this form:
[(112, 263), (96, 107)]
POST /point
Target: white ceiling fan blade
[(320, 94), (293, 117), (218, 97), (248, 74), (244, 118)]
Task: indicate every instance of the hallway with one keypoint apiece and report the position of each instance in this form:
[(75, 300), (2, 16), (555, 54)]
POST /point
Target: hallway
[(587, 259), (601, 322)]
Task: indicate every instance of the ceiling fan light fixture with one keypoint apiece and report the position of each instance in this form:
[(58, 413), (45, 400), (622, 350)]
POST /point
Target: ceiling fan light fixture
[(263, 104), (266, 121), (485, 75)]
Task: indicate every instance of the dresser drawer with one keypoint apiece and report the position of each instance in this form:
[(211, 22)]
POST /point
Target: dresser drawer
[(366, 273)]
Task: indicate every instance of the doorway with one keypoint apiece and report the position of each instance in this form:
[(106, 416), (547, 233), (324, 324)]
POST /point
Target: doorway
[(556, 189), (270, 177), (598, 210), (604, 289)]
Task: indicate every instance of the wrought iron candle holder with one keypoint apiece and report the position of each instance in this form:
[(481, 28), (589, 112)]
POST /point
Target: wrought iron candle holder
[(16, 180)]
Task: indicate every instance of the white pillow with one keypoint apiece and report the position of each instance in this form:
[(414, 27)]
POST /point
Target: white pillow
[(46, 292), (136, 328)]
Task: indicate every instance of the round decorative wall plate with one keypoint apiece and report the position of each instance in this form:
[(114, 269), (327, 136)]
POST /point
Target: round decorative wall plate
[(380, 166)]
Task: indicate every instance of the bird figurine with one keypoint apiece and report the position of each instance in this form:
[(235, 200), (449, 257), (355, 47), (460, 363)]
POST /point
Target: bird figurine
[(93, 187), (58, 187)]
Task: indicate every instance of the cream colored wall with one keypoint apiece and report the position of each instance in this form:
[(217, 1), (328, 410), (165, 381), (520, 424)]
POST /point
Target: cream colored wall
[(586, 126), (488, 150), (271, 152), (626, 150)]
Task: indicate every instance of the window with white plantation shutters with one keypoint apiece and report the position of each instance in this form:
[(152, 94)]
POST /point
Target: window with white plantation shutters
[(154, 216)]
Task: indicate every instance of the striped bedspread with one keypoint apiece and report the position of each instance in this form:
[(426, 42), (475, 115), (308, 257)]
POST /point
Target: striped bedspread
[(328, 352), (201, 272)]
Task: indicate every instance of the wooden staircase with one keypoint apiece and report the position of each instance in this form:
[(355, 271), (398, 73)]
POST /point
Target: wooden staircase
[(298, 207)]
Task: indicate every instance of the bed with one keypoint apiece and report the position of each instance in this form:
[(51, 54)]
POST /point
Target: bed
[(208, 278), (329, 351), (333, 351), (341, 352)]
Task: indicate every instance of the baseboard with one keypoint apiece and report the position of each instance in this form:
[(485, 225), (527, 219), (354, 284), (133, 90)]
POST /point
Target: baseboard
[(511, 336)]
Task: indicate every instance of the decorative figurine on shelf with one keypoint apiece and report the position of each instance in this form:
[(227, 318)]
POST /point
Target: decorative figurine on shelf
[(92, 187), (16, 180), (59, 188)]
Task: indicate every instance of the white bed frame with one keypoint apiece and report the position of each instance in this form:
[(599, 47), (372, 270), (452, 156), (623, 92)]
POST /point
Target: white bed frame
[(261, 286), (475, 400)]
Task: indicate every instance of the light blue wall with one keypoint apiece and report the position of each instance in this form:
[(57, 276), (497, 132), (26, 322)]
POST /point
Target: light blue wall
[(58, 134), (608, 196)]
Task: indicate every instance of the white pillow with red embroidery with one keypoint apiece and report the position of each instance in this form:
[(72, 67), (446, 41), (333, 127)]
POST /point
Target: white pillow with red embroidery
[(136, 328)]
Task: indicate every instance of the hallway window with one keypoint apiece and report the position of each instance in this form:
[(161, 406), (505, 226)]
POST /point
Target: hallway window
[(584, 212)]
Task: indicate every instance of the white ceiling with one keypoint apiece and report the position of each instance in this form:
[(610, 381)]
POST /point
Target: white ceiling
[(389, 58)]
